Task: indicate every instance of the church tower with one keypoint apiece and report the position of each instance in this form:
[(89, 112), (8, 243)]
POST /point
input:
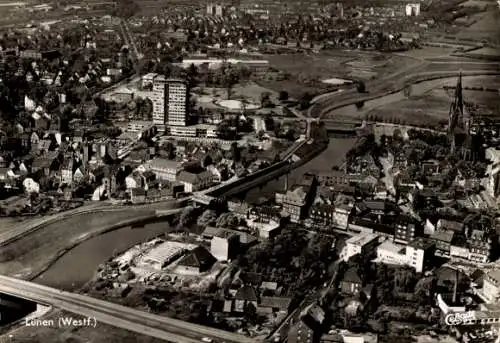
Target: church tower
[(456, 114)]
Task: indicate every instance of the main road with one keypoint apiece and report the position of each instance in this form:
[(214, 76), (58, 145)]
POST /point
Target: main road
[(104, 312)]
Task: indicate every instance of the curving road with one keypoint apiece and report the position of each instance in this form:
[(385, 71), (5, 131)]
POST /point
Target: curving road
[(165, 328)]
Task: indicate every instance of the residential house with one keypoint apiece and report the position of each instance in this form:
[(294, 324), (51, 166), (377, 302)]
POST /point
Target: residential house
[(430, 167), (195, 181), (67, 170), (459, 247), (244, 296), (34, 139), (351, 283), (198, 260), (26, 141), (134, 180), (380, 191)]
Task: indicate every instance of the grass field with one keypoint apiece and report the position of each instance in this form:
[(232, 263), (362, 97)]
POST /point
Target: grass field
[(307, 71), (430, 110), (102, 333), (485, 26)]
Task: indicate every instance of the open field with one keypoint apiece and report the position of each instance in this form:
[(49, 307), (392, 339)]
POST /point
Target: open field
[(29, 254), (475, 3), (342, 64), (430, 110), (102, 333), (487, 82), (427, 52), (307, 71), (485, 26)]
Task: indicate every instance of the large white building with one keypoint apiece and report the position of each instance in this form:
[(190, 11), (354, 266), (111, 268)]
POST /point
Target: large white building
[(412, 10), (359, 244), (414, 254), (224, 245)]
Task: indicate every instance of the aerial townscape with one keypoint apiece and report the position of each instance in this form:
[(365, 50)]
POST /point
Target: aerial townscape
[(244, 171)]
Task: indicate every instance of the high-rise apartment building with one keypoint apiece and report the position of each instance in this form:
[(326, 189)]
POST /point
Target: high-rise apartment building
[(175, 102), (169, 97), (158, 99)]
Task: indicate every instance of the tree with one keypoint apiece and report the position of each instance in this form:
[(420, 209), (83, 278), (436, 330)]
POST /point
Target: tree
[(192, 75), (227, 220), (283, 96), (187, 217), (265, 99), (230, 77), (305, 101), (250, 313), (208, 217), (361, 87)]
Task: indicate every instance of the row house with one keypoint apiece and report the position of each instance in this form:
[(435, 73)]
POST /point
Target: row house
[(322, 213), (443, 241), (333, 178)]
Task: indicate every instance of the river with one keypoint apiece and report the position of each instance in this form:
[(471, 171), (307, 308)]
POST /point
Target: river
[(78, 265), (332, 156)]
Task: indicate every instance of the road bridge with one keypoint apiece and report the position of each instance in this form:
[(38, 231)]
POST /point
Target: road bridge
[(104, 312)]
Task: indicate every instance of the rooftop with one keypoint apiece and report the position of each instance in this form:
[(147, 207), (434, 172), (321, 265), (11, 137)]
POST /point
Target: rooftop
[(420, 243), (362, 239), (198, 257)]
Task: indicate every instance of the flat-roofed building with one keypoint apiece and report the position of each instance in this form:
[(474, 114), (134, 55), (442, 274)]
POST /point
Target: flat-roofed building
[(164, 254), (224, 245), (364, 244)]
